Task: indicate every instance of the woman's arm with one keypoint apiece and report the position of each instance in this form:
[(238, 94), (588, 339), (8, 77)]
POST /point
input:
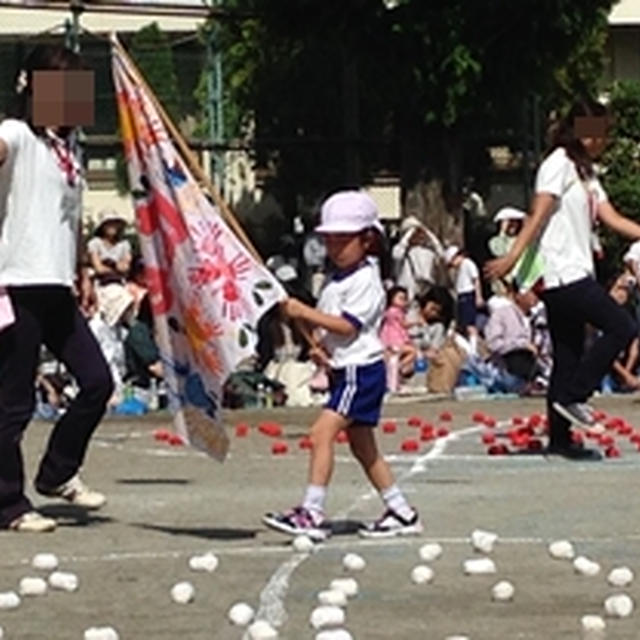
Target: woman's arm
[(624, 226), (541, 209), (300, 311)]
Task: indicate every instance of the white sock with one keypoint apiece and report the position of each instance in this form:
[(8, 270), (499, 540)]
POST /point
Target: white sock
[(314, 498), (394, 499)]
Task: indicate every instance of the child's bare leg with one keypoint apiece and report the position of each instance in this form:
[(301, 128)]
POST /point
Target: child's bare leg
[(364, 448), (323, 434)]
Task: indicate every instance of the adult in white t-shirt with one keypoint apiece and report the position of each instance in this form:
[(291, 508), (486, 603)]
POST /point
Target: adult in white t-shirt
[(569, 200), (40, 210)]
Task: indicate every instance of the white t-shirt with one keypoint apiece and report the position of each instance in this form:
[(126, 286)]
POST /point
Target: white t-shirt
[(565, 242), (106, 251), (359, 296), (39, 212), (466, 276)]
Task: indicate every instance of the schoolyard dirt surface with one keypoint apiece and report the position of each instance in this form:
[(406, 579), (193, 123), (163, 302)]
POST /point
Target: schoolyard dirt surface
[(169, 503)]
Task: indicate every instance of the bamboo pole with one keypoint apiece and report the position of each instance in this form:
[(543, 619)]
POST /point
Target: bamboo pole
[(189, 156)]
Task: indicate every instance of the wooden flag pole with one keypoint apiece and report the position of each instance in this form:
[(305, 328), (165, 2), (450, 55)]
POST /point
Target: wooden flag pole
[(189, 156)]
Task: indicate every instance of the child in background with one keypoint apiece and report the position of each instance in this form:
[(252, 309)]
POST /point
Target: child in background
[(394, 333), (347, 319), (468, 293)]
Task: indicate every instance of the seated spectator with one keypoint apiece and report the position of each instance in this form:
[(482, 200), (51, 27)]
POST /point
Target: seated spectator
[(136, 283), (508, 336), (394, 333), (280, 339), (623, 375), (142, 357), (109, 252), (541, 339), (109, 325), (436, 312), (282, 349), (55, 388)]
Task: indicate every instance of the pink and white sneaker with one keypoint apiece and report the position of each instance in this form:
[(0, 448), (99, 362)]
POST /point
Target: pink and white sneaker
[(298, 521)]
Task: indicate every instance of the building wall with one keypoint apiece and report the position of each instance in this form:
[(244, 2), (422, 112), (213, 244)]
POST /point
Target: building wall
[(17, 22), (623, 53), (625, 12)]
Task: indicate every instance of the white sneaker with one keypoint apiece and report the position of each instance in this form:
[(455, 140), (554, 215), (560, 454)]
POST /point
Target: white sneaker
[(33, 522), (392, 524), (75, 492), (578, 413)]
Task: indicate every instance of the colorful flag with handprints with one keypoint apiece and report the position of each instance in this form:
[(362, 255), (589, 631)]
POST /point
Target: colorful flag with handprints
[(207, 291)]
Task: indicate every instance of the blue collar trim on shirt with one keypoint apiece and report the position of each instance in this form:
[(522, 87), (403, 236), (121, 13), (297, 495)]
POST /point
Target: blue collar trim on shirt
[(341, 275)]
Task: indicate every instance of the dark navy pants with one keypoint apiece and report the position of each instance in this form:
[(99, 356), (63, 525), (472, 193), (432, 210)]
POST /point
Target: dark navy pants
[(46, 315), (577, 373)]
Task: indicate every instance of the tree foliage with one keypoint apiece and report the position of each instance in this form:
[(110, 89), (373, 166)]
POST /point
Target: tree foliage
[(419, 89), (151, 51), (621, 164)]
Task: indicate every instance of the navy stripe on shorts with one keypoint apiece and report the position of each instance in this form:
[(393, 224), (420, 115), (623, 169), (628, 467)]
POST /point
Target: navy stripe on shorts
[(357, 392)]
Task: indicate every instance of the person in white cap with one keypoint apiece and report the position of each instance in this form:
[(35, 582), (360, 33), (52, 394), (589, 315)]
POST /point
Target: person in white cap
[(569, 200), (509, 221), (415, 257), (109, 252), (347, 319)]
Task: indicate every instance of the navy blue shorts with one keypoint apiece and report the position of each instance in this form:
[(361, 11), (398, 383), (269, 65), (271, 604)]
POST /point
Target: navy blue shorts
[(466, 311), (357, 392)]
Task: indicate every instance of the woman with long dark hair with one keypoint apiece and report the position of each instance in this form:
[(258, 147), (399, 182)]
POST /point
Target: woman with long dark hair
[(568, 200), (40, 211)]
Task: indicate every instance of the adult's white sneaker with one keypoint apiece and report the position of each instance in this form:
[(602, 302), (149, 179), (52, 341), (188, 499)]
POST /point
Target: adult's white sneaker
[(76, 492)]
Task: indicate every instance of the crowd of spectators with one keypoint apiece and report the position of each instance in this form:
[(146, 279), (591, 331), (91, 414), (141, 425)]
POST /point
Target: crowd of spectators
[(444, 330), (121, 320)]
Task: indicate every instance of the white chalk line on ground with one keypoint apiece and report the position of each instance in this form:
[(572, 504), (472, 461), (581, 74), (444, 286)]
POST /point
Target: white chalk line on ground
[(272, 596), (285, 549)]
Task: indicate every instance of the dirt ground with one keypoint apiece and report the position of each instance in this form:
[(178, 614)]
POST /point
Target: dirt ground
[(168, 503)]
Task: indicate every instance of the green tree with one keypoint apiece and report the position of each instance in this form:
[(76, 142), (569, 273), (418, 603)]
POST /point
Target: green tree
[(152, 54), (340, 91), (621, 163)]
